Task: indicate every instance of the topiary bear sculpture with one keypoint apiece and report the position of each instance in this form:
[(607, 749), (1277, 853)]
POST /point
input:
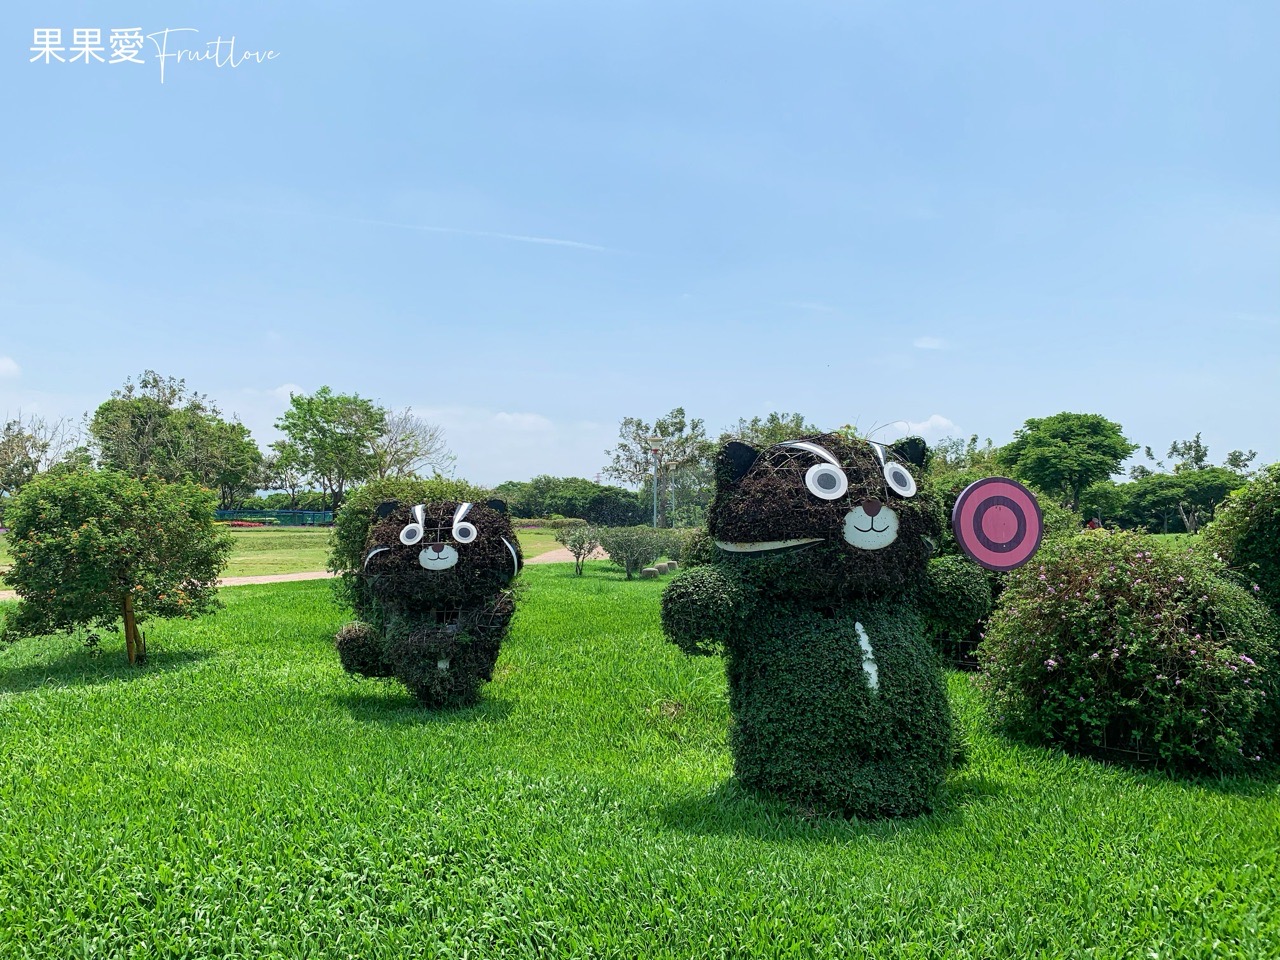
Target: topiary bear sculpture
[(434, 597), (814, 596)]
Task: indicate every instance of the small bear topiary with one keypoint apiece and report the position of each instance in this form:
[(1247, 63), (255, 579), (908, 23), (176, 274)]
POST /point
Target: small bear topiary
[(813, 594), (1110, 645), (433, 594)]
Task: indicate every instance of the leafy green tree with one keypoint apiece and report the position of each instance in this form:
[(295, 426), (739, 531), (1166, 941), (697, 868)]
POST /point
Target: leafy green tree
[(1107, 501), (674, 448), (334, 436), (952, 454), (1188, 498), (1065, 453), (91, 547), (1239, 460), (767, 431), (1189, 454), (156, 427)]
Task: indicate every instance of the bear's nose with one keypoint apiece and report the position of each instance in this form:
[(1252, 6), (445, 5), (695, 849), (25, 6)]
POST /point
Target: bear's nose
[(439, 547), (871, 506)]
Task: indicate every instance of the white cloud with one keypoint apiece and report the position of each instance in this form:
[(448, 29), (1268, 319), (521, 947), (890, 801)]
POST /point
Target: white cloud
[(9, 368), (929, 343)]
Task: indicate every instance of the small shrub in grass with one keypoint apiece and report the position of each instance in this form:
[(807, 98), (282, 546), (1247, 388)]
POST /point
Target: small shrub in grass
[(1106, 644), (698, 549), (631, 548), (1245, 533), (581, 541), (956, 600)]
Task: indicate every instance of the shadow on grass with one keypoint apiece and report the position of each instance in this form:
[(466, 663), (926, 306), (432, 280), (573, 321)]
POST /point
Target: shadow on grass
[(382, 702), (82, 667), (732, 809)]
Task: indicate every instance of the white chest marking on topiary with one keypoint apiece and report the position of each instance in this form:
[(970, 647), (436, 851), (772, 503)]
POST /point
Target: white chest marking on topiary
[(438, 557), (868, 657), (868, 532), (761, 546)]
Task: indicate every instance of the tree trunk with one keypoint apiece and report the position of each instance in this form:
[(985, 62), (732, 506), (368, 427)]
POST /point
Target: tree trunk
[(130, 629)]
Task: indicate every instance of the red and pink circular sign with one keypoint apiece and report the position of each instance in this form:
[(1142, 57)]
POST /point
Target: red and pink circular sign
[(998, 523)]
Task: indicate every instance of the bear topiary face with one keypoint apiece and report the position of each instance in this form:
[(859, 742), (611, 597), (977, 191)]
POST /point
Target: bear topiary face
[(825, 515), (446, 556)]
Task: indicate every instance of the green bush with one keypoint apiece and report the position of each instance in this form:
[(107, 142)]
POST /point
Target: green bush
[(699, 548), (631, 548), (1107, 644), (956, 600), (1245, 534)]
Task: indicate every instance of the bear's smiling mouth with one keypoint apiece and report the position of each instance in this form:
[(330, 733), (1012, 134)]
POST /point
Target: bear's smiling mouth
[(871, 529)]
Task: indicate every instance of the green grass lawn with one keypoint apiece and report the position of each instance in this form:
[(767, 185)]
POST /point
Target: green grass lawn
[(241, 796), (537, 540), (263, 550)]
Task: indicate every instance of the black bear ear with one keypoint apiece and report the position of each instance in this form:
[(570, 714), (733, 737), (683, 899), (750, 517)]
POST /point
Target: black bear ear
[(739, 456), (386, 508), (495, 504), (913, 450)]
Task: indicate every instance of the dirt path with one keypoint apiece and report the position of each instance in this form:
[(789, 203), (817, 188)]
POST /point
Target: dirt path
[(562, 555), (236, 581)]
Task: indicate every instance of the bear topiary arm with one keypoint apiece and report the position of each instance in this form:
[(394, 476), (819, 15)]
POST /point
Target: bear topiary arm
[(701, 608)]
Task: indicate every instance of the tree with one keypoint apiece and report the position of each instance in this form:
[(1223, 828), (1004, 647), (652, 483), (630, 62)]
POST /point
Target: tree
[(581, 541), (1189, 497), (91, 547), (1239, 461), (334, 436), (772, 429), (407, 445), (31, 445), (682, 450), (951, 455), (156, 427), (236, 463), (1191, 454), (1065, 453), (283, 470)]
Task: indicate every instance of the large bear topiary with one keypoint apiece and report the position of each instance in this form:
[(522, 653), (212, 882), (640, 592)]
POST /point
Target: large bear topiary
[(814, 595), (434, 599)]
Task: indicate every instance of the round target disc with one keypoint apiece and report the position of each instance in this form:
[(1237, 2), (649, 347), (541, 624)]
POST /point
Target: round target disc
[(998, 523)]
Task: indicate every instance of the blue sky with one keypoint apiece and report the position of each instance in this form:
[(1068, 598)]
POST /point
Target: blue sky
[(529, 220)]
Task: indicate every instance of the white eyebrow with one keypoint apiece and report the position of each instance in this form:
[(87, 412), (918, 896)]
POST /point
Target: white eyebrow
[(420, 514), (460, 513), (879, 449), (813, 448)]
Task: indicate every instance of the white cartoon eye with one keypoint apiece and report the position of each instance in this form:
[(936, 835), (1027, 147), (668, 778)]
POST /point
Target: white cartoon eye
[(464, 532), (411, 535), (826, 481), (899, 479)]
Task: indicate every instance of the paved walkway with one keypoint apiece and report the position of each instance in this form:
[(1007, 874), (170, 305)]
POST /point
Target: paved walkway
[(235, 581)]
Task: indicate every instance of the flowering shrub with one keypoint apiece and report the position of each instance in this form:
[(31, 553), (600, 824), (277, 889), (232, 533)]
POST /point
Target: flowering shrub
[(244, 523), (1245, 533), (1104, 644)]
